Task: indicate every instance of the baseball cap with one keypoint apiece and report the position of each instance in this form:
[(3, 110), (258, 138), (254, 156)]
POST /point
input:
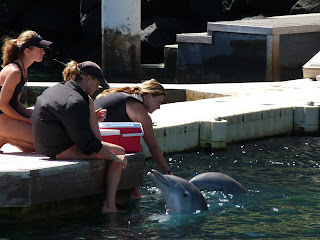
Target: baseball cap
[(36, 41), (93, 69)]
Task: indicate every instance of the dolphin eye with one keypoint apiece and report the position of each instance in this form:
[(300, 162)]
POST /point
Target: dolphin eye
[(185, 194)]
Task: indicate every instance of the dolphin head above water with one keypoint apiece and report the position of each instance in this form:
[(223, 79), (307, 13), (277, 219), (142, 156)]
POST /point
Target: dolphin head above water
[(180, 195)]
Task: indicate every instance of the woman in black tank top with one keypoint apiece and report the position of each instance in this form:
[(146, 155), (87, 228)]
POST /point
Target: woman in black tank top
[(134, 104), (15, 120)]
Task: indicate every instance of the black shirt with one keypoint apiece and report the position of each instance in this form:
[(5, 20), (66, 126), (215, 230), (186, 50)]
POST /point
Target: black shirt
[(61, 118), (115, 103)]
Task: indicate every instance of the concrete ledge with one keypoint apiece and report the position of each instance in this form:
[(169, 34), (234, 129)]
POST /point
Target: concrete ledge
[(176, 138), (172, 95), (68, 209), (278, 25), (194, 38), (28, 179), (312, 68), (252, 110), (306, 119), (215, 134), (230, 27)]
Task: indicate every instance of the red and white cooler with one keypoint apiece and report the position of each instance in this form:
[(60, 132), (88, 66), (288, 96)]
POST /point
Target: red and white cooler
[(110, 135), (129, 136)]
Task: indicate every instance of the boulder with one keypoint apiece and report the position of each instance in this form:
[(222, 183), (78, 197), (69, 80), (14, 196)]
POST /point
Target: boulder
[(306, 6), (238, 9)]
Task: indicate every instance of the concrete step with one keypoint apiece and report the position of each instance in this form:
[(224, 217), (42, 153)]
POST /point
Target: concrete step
[(249, 50), (200, 38), (312, 68), (164, 72)]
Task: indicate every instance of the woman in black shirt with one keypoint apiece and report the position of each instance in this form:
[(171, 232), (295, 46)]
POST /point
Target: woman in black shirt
[(62, 126)]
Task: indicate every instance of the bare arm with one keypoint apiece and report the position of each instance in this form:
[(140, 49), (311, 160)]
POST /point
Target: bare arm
[(86, 139), (94, 120), (27, 112), (138, 113), (12, 79), (105, 152)]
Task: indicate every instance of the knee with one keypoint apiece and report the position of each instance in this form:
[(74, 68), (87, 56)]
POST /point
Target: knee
[(120, 150), (115, 165)]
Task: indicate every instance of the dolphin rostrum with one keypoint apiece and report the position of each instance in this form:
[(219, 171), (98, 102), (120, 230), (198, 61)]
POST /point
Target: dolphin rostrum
[(180, 195), (216, 181)]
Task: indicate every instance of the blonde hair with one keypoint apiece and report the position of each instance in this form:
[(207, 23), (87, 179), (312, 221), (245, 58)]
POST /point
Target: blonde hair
[(151, 86), (11, 47), (71, 71)]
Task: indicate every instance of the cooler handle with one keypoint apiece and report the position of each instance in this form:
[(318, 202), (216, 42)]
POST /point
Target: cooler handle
[(132, 134)]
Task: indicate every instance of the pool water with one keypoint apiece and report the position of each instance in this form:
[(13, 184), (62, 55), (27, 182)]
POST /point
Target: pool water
[(282, 177)]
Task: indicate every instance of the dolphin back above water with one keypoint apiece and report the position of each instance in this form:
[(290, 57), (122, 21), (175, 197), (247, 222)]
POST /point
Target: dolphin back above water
[(180, 195), (216, 181)]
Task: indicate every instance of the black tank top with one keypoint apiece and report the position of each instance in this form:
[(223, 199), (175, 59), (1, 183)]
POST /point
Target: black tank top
[(14, 100), (115, 104)]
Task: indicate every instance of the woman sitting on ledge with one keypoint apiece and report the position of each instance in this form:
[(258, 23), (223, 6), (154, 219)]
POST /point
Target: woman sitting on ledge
[(15, 120), (63, 126), (134, 105)]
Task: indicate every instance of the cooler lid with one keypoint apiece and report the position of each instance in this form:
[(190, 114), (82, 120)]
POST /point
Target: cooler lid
[(120, 125), (109, 132)]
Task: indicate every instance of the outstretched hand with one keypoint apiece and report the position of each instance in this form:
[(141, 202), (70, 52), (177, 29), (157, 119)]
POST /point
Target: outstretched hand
[(122, 159)]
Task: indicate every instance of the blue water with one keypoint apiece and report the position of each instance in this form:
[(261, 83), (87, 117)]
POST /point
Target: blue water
[(283, 179)]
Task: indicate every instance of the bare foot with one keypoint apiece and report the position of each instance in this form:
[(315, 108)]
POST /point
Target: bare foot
[(109, 210), (136, 197), (135, 194)]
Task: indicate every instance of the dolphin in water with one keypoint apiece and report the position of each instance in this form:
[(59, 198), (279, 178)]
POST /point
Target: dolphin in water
[(181, 196), (216, 181)]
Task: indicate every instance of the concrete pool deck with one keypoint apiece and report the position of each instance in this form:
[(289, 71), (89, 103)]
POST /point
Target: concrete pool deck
[(250, 110), (242, 98)]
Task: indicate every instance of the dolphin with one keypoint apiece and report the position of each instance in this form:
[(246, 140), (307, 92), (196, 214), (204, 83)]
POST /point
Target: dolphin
[(181, 196), (216, 181)]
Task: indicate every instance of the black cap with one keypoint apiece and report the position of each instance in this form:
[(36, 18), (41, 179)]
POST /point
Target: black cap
[(36, 41), (93, 69)]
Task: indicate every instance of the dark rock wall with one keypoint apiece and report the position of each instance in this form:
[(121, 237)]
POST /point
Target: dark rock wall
[(306, 6), (75, 27)]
